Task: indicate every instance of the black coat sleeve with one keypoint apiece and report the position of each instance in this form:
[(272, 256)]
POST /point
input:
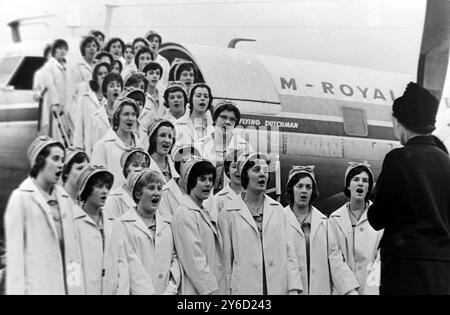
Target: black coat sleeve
[(388, 189)]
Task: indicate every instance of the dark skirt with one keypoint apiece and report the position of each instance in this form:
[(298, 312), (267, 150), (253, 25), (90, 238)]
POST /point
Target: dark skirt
[(404, 276)]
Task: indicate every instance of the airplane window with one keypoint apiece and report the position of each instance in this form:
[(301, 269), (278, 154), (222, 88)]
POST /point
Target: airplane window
[(7, 66), (355, 122)]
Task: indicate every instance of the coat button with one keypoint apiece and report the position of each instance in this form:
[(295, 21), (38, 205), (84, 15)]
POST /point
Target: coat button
[(361, 229), (161, 276), (159, 234), (271, 264), (313, 270)]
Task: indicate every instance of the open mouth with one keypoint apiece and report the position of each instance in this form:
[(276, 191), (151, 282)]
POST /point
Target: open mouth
[(103, 199), (303, 198), (116, 95), (262, 182), (166, 146), (359, 190), (130, 125), (155, 201), (58, 174)]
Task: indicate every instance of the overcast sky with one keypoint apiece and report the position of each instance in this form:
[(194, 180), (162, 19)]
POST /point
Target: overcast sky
[(377, 34)]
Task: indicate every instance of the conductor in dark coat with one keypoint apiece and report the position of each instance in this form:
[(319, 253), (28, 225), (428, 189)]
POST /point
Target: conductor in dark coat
[(412, 202)]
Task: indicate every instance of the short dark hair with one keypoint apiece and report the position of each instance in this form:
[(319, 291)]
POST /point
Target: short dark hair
[(93, 84), (59, 43), (356, 171), (86, 41), (47, 49), (200, 169), (244, 173), (187, 66), (171, 90), (97, 33), (289, 194), (191, 96), (111, 77), (228, 107), (97, 179), (137, 40), (116, 61), (78, 158), (152, 67), (135, 78), (117, 112), (112, 41), (144, 50), (136, 155), (40, 163), (102, 54), (154, 136), (147, 178), (227, 163)]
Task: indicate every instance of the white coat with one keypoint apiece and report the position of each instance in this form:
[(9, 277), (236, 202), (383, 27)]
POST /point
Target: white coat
[(166, 69), (319, 273), (199, 246), (84, 131), (221, 199), (172, 198), (77, 73), (56, 81), (158, 255), (149, 113), (34, 261), (127, 70), (183, 133), (154, 167), (99, 126), (108, 152), (243, 251), (350, 255), (105, 261), (207, 148), (119, 202)]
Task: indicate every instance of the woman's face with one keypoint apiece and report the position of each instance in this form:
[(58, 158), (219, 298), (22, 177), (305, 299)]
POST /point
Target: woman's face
[(143, 60), (75, 172), (54, 164), (127, 119), (226, 121), (153, 77), (154, 44), (99, 195), (151, 197), (202, 190), (116, 68), (200, 100), (176, 103), (116, 50), (359, 186), (303, 192), (258, 176), (113, 90), (128, 55), (164, 140), (139, 161), (188, 78), (101, 74), (138, 46), (90, 50), (235, 176)]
